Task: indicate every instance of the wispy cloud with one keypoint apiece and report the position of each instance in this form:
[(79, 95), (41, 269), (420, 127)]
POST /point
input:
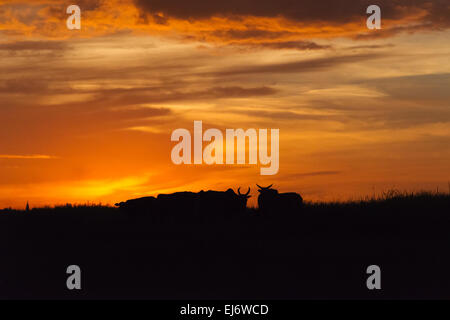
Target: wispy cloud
[(306, 65), (31, 156), (282, 21)]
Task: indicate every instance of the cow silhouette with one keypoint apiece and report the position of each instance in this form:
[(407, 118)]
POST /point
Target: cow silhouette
[(270, 201), (226, 204)]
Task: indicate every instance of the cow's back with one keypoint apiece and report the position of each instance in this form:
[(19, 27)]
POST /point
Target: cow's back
[(178, 205), (290, 201), (139, 206), (217, 204)]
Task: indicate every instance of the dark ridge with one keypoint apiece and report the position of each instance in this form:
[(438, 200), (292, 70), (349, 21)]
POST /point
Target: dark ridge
[(321, 251)]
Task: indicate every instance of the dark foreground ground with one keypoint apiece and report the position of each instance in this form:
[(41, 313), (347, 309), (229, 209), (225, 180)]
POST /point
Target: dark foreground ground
[(321, 253)]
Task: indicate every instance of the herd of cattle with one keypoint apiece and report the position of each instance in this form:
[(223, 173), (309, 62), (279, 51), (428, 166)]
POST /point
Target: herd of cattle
[(222, 204)]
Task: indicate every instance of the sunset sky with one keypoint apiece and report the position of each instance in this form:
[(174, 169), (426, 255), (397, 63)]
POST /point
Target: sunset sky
[(87, 115)]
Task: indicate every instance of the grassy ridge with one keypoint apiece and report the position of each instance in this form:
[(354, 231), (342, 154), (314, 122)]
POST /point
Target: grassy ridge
[(322, 252), (391, 199)]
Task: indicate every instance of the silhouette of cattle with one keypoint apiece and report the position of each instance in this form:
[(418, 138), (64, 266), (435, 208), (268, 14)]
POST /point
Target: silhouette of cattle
[(186, 206), (270, 201), (227, 204)]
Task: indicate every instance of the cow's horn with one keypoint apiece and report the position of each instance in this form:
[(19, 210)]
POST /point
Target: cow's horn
[(239, 192), (248, 191)]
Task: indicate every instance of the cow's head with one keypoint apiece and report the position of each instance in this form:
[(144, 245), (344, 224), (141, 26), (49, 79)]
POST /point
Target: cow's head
[(267, 190), (243, 196)]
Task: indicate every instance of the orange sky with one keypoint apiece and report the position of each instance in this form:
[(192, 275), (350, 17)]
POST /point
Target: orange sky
[(86, 115)]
